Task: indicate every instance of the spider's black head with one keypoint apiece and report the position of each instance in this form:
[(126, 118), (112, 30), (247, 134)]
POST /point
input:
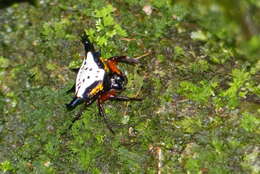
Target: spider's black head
[(117, 81)]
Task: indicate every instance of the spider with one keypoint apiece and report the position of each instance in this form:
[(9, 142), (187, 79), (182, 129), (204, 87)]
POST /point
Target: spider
[(99, 80)]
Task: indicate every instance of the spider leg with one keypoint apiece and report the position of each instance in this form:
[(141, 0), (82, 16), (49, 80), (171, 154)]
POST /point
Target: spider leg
[(79, 114), (77, 117), (125, 98), (112, 63), (111, 95), (103, 114), (123, 59)]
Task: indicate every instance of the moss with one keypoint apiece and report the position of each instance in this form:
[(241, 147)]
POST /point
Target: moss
[(200, 84)]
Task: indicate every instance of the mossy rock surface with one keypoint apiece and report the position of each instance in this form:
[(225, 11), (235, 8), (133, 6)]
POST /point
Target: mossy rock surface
[(199, 80)]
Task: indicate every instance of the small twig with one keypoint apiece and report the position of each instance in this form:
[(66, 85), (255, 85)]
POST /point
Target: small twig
[(157, 152), (159, 156), (144, 55), (127, 39)]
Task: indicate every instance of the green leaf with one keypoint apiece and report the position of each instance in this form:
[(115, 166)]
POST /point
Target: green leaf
[(232, 94), (4, 63), (104, 11), (249, 122), (198, 35), (200, 92), (108, 21), (6, 166)]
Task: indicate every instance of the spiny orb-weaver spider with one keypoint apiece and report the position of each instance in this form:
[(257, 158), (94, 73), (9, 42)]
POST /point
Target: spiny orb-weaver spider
[(99, 79)]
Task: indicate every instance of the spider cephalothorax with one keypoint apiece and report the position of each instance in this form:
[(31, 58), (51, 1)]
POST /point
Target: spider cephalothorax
[(99, 79)]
